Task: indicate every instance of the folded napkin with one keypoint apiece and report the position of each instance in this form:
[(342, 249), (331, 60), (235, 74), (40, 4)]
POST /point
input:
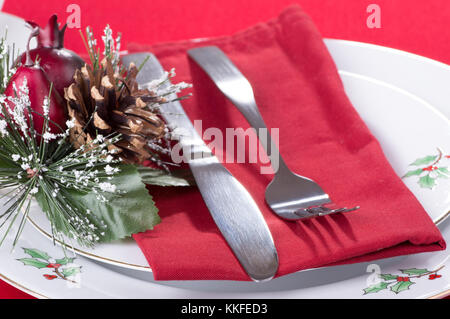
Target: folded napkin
[(298, 90)]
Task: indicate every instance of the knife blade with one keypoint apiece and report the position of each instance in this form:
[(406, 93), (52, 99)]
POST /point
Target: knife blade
[(233, 209)]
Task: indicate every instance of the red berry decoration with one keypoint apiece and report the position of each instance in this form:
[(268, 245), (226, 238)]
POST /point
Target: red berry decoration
[(434, 276), (58, 63), (39, 88), (50, 277), (54, 266)]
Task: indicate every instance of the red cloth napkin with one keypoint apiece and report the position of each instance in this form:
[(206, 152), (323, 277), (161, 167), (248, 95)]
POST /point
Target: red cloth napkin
[(298, 90)]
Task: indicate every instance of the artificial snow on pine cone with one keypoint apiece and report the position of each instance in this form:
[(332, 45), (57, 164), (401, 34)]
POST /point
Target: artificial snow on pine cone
[(105, 99), (102, 102)]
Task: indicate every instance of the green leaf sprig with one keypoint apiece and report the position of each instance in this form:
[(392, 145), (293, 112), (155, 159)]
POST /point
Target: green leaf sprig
[(45, 166), (87, 194)]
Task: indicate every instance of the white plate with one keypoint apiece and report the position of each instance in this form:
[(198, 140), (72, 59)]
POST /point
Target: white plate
[(375, 83), (407, 126)]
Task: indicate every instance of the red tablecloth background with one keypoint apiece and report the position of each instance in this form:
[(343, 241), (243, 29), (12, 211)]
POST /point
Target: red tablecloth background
[(419, 27)]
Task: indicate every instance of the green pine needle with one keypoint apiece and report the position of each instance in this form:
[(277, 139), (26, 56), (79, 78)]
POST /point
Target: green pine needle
[(45, 165)]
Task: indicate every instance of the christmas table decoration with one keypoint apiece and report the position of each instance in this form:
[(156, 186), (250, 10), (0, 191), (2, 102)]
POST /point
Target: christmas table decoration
[(74, 136)]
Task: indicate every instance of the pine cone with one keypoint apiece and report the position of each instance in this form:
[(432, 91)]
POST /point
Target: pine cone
[(101, 102)]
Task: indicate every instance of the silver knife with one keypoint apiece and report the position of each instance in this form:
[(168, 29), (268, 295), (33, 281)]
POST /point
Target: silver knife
[(233, 209)]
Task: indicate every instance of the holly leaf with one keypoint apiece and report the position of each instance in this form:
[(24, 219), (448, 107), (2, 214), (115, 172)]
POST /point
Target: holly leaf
[(413, 173), (35, 253), (443, 172), (388, 277), (64, 261), (376, 288), (427, 182), (401, 286), (424, 160), (33, 262), (72, 271), (180, 177), (129, 210), (414, 271)]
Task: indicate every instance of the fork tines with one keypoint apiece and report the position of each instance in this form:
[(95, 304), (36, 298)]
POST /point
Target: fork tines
[(322, 211)]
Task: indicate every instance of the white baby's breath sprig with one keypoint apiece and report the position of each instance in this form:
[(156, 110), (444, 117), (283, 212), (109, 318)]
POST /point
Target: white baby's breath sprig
[(111, 46), (46, 106), (3, 126), (7, 58)]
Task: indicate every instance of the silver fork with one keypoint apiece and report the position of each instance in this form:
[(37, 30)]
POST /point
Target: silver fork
[(289, 195)]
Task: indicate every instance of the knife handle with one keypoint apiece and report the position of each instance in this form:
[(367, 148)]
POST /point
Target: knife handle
[(238, 218), (233, 209)]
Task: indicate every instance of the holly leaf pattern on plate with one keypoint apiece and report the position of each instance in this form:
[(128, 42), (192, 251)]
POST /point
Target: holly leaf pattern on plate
[(62, 268), (35, 253), (427, 182), (64, 261), (413, 173), (443, 172), (72, 271), (414, 271), (428, 170), (376, 288), (33, 262), (388, 277), (401, 286), (399, 283), (424, 160)]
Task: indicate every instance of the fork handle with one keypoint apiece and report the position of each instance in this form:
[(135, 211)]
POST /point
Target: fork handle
[(253, 116), (238, 90)]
